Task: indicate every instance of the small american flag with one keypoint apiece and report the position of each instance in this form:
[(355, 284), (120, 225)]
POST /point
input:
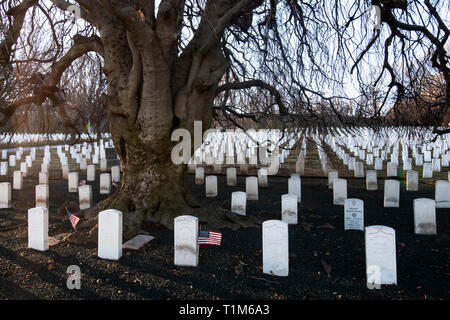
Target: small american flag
[(73, 219), (208, 237)]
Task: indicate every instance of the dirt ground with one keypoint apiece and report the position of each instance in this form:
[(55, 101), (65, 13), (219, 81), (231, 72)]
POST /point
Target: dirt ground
[(325, 261)]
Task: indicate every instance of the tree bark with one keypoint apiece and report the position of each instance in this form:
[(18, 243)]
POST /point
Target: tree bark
[(152, 188)]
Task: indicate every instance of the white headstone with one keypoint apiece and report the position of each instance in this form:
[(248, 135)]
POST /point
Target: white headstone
[(115, 173), (3, 168), (110, 234), (332, 175), (65, 172), (85, 196), (5, 195), (391, 169), (239, 202), (44, 167), (103, 164), (83, 164), (73, 182), (231, 176), (12, 160), (275, 248), (436, 164), (351, 164), (354, 214), (425, 216), (38, 228), (391, 193), (381, 263), (371, 180), (24, 168), (289, 208), (43, 177), (105, 183), (251, 188), (262, 177), (359, 170), (17, 180), (442, 194), (339, 191), (199, 175), (42, 195), (186, 241), (427, 170), (90, 173), (211, 186), (378, 164), (412, 180), (419, 160), (295, 187)]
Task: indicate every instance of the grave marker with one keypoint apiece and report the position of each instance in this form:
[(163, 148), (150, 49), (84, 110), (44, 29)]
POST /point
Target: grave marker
[(442, 194), (239, 203), (110, 234), (251, 188), (289, 208), (371, 180), (42, 195), (73, 181), (391, 193), (186, 241), (381, 264), (105, 183), (5, 195), (425, 216), (38, 229), (85, 196), (17, 180), (275, 248), (211, 186), (354, 214), (339, 191), (412, 181)]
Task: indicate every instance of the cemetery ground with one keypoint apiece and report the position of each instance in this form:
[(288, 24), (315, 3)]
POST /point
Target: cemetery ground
[(325, 262)]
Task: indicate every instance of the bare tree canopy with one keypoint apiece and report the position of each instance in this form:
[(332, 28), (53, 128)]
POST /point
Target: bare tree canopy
[(160, 65)]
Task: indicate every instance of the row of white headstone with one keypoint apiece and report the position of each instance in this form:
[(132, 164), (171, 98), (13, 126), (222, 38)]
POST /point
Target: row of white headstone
[(380, 241), (109, 232), (380, 249), (42, 189)]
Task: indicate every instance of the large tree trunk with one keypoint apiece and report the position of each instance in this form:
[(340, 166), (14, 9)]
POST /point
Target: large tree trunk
[(151, 92), (152, 188)]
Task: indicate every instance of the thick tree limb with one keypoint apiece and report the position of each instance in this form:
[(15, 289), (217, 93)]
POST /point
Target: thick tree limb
[(255, 83), (48, 87), (18, 13)]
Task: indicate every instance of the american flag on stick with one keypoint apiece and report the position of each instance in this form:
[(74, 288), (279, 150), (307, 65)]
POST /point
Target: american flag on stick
[(208, 237), (73, 219)]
